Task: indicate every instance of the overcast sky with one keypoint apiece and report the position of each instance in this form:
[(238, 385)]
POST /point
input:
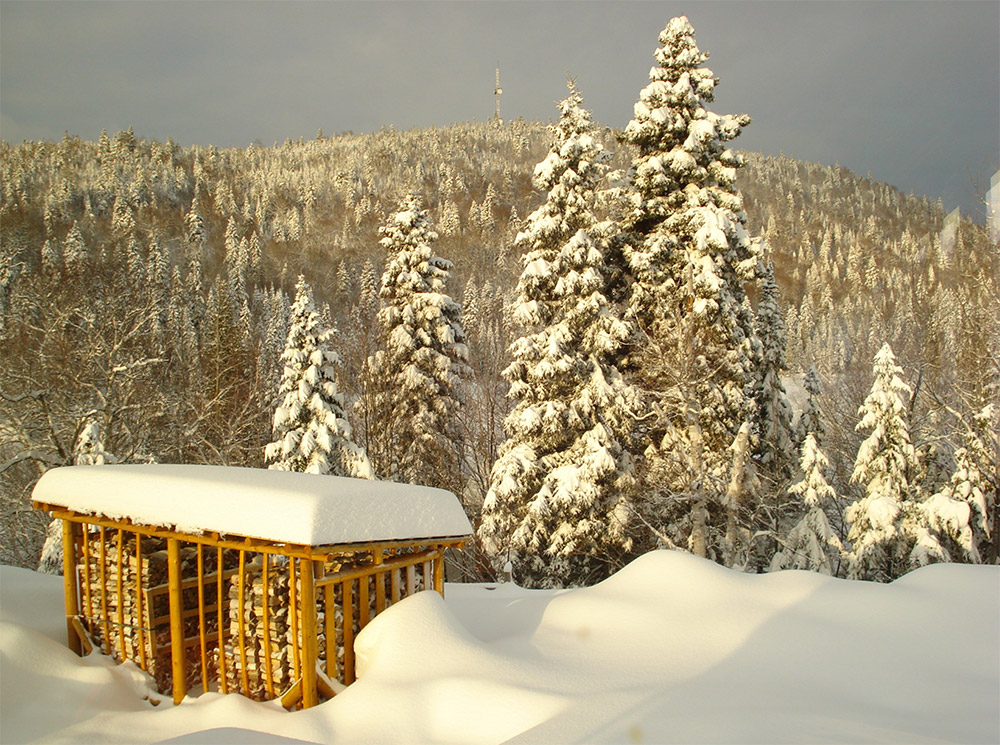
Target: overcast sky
[(907, 90)]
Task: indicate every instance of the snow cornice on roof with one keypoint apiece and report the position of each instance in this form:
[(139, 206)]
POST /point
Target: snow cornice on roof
[(275, 506)]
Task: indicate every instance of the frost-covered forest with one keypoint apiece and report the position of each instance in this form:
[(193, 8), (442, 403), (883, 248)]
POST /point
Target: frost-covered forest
[(603, 341)]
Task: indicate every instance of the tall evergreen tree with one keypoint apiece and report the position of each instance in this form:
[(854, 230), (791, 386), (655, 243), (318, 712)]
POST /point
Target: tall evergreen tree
[(774, 412), (311, 431), (884, 522), (689, 254), (557, 505), (810, 421), (424, 353)]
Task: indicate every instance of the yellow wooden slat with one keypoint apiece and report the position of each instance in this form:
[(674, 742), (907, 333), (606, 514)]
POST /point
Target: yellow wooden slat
[(241, 622), (268, 672), (120, 596), (220, 574), (202, 630), (143, 661), (103, 574), (347, 598)]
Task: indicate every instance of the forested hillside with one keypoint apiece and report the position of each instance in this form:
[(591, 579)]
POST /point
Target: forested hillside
[(146, 288)]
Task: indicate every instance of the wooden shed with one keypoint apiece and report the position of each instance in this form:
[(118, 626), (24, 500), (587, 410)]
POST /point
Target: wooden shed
[(241, 580)]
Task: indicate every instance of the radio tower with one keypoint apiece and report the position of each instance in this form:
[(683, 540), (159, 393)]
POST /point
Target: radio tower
[(497, 92)]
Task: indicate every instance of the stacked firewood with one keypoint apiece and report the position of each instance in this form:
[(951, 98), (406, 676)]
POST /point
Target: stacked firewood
[(251, 661)]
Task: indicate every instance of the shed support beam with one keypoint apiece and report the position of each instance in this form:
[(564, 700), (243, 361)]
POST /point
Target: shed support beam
[(177, 659), (309, 642), (70, 582)]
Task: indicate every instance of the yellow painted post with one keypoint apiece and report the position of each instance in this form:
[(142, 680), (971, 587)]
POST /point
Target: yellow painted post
[(120, 593), (439, 572), (103, 553), (221, 622), (140, 619), (241, 623), (88, 599), (69, 581), (177, 657), (308, 610), (347, 595), (293, 615), (330, 632), (201, 619), (266, 622)]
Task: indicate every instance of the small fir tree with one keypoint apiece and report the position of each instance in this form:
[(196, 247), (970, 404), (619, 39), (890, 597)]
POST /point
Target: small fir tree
[(812, 544), (423, 355), (810, 421), (774, 412), (885, 521), (311, 432)]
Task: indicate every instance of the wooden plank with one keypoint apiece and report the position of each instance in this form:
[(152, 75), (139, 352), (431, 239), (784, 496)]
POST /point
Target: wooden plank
[(71, 594), (120, 597), (411, 579), (202, 630), (324, 687), (347, 598), (82, 636), (241, 622), (143, 661), (103, 574), (397, 562), (330, 632), (364, 600), (293, 695), (293, 620), (309, 641), (379, 578), (178, 664), (265, 586), (223, 682), (88, 598), (427, 575), (439, 572), (394, 585)]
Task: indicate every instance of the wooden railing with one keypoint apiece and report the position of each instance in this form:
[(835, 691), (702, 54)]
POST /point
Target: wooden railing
[(206, 613)]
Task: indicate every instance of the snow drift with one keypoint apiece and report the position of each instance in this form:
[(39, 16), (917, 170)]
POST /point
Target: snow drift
[(671, 649)]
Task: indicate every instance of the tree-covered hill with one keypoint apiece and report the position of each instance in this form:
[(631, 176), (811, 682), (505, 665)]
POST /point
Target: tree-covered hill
[(146, 287)]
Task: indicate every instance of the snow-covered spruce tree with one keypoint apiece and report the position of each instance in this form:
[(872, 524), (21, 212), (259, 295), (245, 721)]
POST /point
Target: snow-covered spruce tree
[(774, 412), (810, 421), (958, 524), (557, 504), (311, 432), (423, 354), (689, 254), (88, 451), (885, 521), (812, 544)]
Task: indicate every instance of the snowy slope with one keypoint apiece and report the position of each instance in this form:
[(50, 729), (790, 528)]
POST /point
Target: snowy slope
[(671, 649)]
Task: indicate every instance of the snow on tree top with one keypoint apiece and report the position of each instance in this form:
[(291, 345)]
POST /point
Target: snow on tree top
[(278, 506)]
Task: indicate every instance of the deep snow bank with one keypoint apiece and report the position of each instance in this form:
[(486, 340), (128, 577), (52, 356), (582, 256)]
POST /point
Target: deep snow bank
[(671, 649)]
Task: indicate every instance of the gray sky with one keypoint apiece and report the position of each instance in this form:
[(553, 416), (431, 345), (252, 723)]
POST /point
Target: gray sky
[(907, 90)]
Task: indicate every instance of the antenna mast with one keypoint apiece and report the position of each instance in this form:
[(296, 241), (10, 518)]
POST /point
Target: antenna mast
[(497, 92)]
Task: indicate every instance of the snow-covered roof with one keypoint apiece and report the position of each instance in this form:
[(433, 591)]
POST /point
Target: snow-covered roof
[(278, 506)]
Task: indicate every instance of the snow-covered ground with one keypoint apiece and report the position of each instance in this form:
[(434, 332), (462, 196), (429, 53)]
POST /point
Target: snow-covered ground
[(671, 649)]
